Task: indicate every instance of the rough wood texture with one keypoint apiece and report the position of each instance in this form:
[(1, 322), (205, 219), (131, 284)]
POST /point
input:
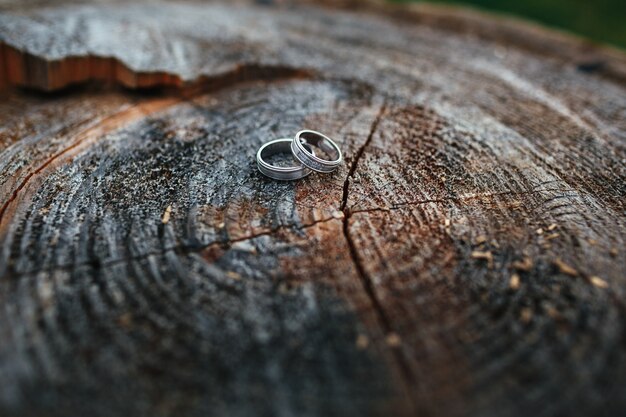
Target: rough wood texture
[(467, 259)]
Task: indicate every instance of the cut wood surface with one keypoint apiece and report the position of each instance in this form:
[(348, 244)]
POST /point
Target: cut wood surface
[(467, 259)]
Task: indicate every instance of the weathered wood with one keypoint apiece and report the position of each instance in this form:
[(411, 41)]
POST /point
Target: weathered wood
[(467, 260)]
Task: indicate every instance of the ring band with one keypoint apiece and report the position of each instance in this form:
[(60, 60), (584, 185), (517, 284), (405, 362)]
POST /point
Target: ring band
[(280, 173), (308, 158)]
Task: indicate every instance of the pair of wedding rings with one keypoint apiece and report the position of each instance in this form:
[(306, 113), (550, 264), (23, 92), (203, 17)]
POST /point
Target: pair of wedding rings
[(302, 147)]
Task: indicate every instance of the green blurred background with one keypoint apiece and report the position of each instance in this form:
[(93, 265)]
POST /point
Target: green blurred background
[(600, 20)]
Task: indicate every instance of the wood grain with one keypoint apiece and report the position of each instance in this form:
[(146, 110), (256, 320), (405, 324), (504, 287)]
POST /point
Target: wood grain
[(466, 260)]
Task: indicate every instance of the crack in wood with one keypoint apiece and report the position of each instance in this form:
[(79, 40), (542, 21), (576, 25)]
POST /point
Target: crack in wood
[(408, 378), (359, 153), (408, 204), (180, 249)]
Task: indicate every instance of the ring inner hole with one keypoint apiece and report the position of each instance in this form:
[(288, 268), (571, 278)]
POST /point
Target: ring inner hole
[(328, 151), (279, 155)]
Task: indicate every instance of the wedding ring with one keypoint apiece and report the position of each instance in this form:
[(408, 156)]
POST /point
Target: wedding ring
[(280, 173), (308, 158)]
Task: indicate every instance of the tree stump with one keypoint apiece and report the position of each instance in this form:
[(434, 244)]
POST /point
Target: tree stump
[(467, 259)]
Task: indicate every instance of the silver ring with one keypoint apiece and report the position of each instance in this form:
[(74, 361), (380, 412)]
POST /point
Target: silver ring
[(308, 158), (280, 173)]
